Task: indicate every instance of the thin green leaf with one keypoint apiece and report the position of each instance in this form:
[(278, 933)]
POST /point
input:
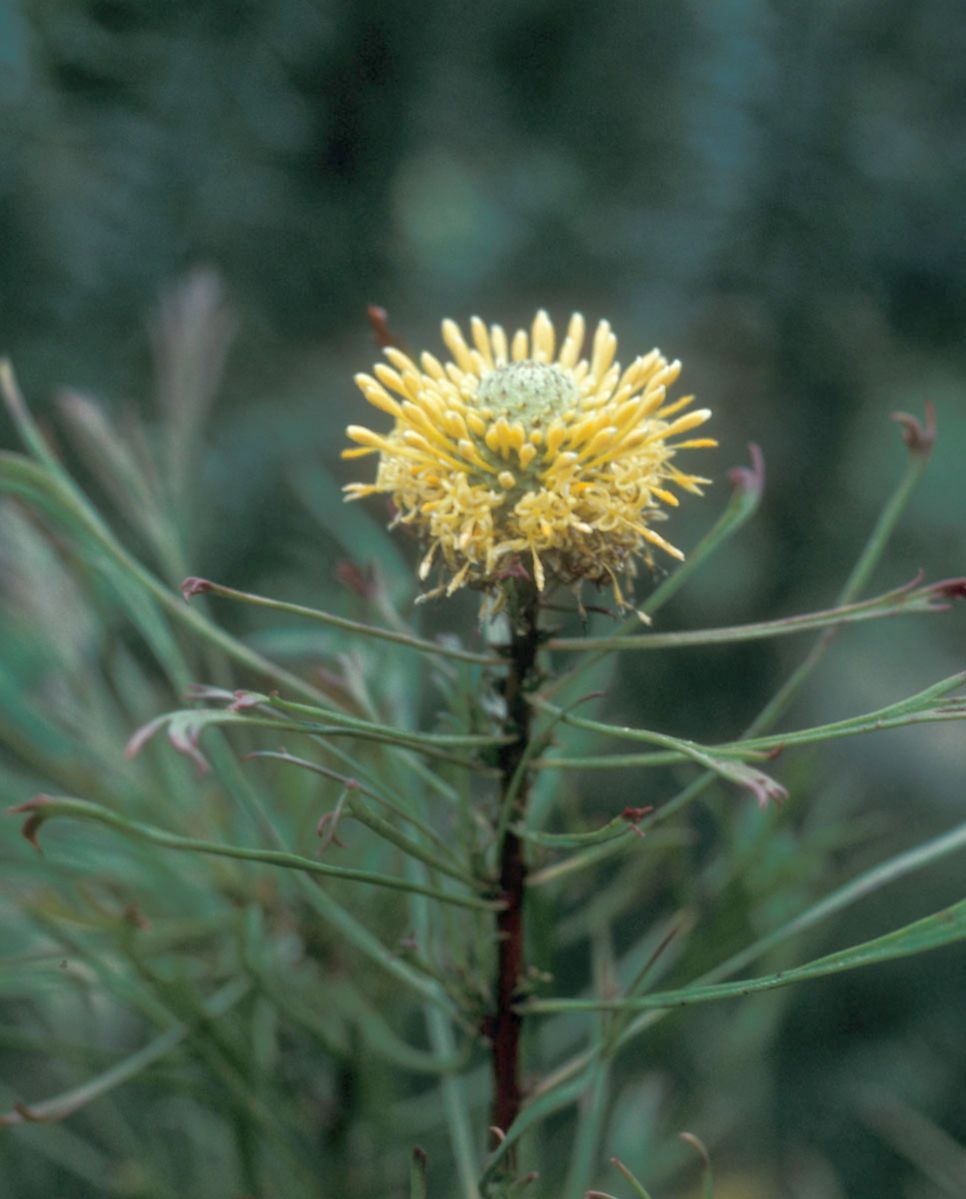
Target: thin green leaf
[(932, 932), (64, 501), (745, 498), (842, 898), (584, 859), (64, 1105), (186, 725), (920, 448), (533, 1113), (391, 804), (449, 740), (452, 1086), (455, 1104), (24, 423), (363, 538), (382, 828), (195, 586), (638, 1186), (613, 830), (919, 440), (762, 785), (707, 1190), (935, 597), (934, 704), (867, 883), (46, 807), (520, 1185), (324, 906), (592, 1113), (418, 1174), (912, 1135)]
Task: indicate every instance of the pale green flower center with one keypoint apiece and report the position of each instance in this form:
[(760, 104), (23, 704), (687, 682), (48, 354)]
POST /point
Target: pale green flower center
[(530, 392)]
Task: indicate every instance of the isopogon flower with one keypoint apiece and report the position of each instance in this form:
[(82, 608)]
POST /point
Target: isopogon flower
[(515, 453)]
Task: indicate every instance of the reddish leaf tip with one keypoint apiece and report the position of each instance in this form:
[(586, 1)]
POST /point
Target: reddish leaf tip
[(378, 318), (28, 1115), (185, 741), (767, 789), (697, 1144), (513, 569), (636, 815), (919, 436), (30, 805), (750, 479), (361, 581), (325, 830), (133, 916), (192, 585), (952, 589), (35, 817), (141, 736)]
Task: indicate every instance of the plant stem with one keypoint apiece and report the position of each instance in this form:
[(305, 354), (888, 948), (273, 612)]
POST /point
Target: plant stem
[(506, 1021)]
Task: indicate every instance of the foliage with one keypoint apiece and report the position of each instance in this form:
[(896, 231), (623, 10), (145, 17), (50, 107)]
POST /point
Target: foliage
[(196, 974)]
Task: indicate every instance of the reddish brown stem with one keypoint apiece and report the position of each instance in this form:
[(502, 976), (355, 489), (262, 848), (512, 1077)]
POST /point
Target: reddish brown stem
[(506, 1022)]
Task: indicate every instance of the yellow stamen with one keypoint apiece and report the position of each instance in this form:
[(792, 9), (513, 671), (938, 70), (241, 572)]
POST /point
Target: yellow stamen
[(457, 346), (543, 338), (481, 339), (573, 342)]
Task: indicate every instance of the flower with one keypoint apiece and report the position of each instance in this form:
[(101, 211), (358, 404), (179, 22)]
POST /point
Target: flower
[(514, 454)]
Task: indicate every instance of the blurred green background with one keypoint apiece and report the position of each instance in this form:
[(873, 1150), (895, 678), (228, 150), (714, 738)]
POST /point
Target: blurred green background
[(771, 192)]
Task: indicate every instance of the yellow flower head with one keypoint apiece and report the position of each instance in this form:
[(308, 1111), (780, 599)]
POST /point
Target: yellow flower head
[(515, 453)]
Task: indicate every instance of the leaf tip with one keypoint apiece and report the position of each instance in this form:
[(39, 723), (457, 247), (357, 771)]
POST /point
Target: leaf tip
[(360, 580), (634, 816), (378, 319), (766, 790), (34, 810), (187, 743), (919, 436), (750, 479), (697, 1144), (141, 736), (949, 589), (193, 585)]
